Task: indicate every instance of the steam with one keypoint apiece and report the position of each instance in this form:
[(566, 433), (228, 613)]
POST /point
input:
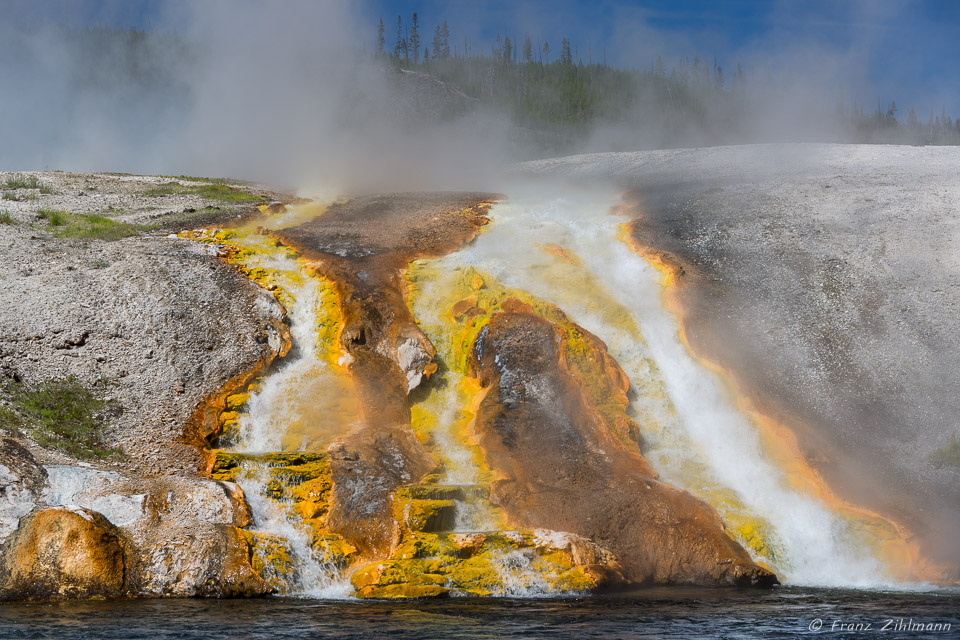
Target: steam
[(279, 93), (287, 93)]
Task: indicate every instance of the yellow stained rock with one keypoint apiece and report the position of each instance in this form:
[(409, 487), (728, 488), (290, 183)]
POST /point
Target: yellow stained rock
[(63, 552), (237, 401)]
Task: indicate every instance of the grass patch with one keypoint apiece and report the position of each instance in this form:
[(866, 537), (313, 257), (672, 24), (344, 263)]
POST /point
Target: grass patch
[(18, 197), (6, 218), (55, 217), (60, 414), (21, 182), (25, 182), (89, 225), (948, 454), (216, 189)]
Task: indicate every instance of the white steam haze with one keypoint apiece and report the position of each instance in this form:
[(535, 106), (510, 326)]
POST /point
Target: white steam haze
[(279, 92), (287, 92)]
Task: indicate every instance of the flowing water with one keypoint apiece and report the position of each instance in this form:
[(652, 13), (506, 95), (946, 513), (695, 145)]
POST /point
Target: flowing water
[(302, 404), (567, 250)]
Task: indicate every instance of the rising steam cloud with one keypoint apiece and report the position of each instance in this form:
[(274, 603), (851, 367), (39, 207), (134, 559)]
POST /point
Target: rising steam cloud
[(267, 91), (282, 92)]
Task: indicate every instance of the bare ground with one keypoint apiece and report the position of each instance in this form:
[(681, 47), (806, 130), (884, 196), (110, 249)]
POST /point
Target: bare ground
[(162, 322)]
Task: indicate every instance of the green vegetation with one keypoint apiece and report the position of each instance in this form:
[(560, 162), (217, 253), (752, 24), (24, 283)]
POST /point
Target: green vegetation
[(28, 182), (89, 225), (6, 218), (560, 95), (55, 217), (59, 414), (21, 182), (216, 189), (18, 197), (948, 454)]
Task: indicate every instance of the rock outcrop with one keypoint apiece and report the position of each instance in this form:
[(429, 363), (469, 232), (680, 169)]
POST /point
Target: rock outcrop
[(22, 481), (100, 533), (823, 278), (565, 462)]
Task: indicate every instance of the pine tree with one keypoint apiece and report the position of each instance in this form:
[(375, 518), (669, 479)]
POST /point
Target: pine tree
[(566, 57), (398, 48), (415, 40), (527, 50), (507, 50), (658, 68), (437, 43), (546, 52), (380, 39), (445, 32), (912, 119)]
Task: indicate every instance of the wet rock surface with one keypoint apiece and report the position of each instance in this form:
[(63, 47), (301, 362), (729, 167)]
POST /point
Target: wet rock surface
[(561, 463), (103, 533), (361, 245), (825, 278), (22, 482)]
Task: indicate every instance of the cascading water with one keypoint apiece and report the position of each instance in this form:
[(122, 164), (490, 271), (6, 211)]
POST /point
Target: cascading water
[(443, 410), (566, 250), (306, 570), (302, 405)]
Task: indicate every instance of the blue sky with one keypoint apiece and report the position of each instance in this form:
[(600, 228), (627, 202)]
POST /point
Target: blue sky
[(870, 50)]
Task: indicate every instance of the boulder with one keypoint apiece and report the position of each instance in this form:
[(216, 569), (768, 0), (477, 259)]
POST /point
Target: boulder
[(179, 534), (62, 552), (207, 561)]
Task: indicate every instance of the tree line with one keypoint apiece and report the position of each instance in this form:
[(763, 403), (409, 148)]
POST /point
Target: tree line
[(694, 101)]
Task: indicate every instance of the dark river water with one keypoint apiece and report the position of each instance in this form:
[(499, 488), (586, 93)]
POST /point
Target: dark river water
[(656, 613)]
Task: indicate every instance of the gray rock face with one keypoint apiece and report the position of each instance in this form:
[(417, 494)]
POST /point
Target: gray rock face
[(162, 320), (169, 536), (22, 481), (180, 534), (827, 278)]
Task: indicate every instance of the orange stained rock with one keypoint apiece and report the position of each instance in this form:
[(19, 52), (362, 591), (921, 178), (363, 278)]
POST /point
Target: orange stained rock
[(561, 252), (891, 542)]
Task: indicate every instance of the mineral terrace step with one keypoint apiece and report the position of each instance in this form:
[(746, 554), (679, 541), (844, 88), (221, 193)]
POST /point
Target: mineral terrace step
[(458, 492)]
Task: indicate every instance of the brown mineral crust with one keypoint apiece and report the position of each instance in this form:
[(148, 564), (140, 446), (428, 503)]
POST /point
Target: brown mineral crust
[(366, 467), (560, 465), (362, 246)]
